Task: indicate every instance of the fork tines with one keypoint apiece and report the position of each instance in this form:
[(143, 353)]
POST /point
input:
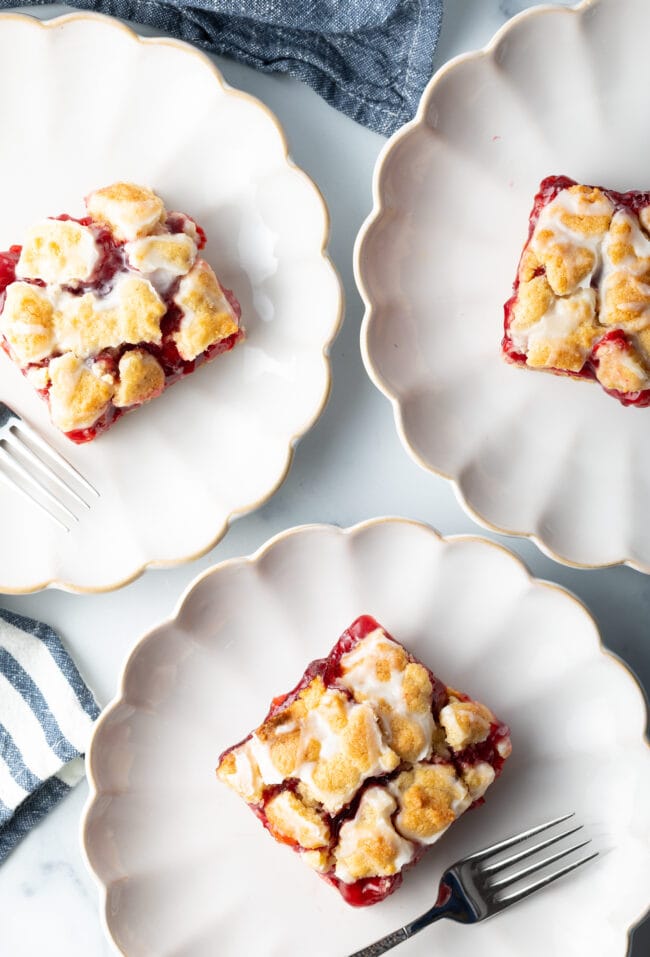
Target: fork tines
[(40, 473), (470, 892), (487, 868)]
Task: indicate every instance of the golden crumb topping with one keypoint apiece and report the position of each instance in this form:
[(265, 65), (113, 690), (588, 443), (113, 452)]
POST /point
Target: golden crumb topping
[(294, 821), (369, 845), (78, 397), (584, 210), (642, 340), (38, 376), (478, 777), (379, 670), (58, 251), (282, 735), (27, 322), (416, 688), (319, 860), (565, 336), (240, 771), (566, 266), (621, 369), (227, 765), (141, 378), (131, 211), (407, 738), (529, 265), (130, 313), (620, 241), (430, 798), (88, 289), (84, 325), (323, 778), (533, 300), (585, 270), (208, 316), (140, 310), (326, 742), (465, 723), (361, 753), (625, 302), (174, 254), (625, 285)]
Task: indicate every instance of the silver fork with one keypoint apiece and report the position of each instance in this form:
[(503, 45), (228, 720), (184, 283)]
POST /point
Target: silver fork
[(35, 463), (472, 889)]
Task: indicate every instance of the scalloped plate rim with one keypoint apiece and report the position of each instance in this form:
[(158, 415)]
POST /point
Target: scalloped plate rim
[(94, 792), (114, 23), (374, 217)]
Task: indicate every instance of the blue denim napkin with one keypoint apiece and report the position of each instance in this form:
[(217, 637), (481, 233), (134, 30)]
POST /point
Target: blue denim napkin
[(46, 716), (369, 58)]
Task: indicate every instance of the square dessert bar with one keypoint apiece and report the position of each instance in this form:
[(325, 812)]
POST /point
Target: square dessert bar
[(581, 303), (366, 763), (102, 313)]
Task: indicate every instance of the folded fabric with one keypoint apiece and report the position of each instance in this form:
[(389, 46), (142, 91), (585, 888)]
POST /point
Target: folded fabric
[(46, 716), (369, 58)]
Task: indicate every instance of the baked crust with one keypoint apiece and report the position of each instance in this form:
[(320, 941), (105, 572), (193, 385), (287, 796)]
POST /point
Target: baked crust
[(58, 251), (123, 294), (131, 211), (174, 254), (141, 378), (581, 303), (78, 396), (366, 763), (27, 322), (207, 315)]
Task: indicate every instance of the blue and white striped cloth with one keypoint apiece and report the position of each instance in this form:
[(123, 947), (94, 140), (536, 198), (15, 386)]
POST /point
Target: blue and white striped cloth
[(46, 716)]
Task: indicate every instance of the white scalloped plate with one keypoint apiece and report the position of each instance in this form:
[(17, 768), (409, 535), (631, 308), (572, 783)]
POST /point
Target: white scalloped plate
[(92, 103), (557, 91), (185, 868)]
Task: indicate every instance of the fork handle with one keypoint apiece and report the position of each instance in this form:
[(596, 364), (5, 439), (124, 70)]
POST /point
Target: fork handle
[(440, 909), (386, 943)]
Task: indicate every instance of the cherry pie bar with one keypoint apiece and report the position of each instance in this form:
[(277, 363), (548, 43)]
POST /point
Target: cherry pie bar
[(581, 303), (103, 313), (366, 763)]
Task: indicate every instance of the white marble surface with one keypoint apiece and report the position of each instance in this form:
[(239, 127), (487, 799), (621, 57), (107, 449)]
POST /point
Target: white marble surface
[(48, 902)]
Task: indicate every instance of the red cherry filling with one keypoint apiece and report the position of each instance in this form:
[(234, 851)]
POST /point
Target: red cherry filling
[(8, 262)]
